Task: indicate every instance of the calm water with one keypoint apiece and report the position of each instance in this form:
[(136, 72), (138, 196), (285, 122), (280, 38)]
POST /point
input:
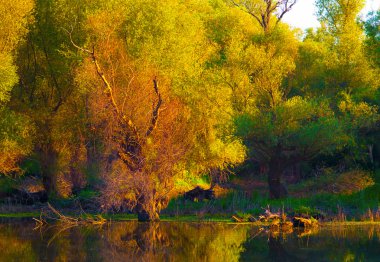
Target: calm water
[(132, 241)]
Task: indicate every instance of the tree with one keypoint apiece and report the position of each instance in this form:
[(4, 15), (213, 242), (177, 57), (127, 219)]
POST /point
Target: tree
[(333, 62), (256, 68), (16, 129), (283, 125), (146, 108), (347, 69), (297, 130), (372, 42), (48, 95)]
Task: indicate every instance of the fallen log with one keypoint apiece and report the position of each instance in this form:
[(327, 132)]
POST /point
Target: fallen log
[(237, 219), (84, 219), (268, 215)]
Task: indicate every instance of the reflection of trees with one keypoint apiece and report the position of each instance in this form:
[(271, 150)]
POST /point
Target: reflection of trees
[(175, 241), (20, 242), (326, 244), (15, 247), (136, 241), (133, 241), (277, 251)]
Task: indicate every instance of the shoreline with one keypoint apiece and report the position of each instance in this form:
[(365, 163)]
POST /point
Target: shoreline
[(187, 218)]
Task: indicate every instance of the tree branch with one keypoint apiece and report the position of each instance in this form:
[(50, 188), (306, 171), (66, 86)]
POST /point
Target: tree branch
[(156, 109), (98, 71), (127, 138), (285, 9)]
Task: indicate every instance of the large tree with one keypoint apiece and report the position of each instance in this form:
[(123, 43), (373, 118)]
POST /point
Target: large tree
[(48, 94), (256, 68), (292, 132), (144, 98), (288, 121), (15, 129)]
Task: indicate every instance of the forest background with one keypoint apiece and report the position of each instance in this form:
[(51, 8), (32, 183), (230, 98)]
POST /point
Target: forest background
[(132, 103)]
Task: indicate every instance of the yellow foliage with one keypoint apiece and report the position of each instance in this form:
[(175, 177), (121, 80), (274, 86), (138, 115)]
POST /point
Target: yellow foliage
[(15, 16), (352, 181)]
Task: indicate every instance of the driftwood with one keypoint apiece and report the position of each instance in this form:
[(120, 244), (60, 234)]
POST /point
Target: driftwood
[(279, 220), (237, 219), (269, 216), (84, 219), (304, 222)]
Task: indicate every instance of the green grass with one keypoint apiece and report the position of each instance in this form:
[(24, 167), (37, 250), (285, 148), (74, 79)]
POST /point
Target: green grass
[(87, 194), (19, 215), (353, 205), (120, 217)]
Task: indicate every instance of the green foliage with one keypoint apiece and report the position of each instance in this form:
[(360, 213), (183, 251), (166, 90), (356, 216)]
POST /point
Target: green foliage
[(372, 42), (16, 133), (333, 57), (338, 14), (6, 185), (9, 77), (307, 128), (16, 16), (16, 130), (87, 194), (233, 89)]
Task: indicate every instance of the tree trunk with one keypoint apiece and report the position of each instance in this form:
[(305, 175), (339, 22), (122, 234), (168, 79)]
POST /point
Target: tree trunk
[(276, 189), (145, 216), (48, 169), (48, 159), (148, 209)]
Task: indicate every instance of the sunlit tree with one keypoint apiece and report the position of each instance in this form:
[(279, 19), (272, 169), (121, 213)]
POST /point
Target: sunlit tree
[(15, 129)]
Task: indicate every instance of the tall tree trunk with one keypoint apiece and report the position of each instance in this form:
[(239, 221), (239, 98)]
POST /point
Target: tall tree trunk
[(48, 156), (276, 168), (148, 209)]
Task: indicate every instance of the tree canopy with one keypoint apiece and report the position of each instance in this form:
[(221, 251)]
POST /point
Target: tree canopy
[(129, 98)]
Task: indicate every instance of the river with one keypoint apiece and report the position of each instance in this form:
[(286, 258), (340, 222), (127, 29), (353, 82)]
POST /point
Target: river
[(184, 241)]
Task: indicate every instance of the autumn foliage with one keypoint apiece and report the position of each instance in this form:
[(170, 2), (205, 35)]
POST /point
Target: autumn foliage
[(132, 98)]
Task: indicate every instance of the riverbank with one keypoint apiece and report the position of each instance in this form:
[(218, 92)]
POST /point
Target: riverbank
[(234, 200), (223, 218)]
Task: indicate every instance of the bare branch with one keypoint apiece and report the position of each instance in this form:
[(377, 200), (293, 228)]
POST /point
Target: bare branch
[(263, 15), (248, 10), (73, 43), (286, 8), (127, 138), (98, 71), (156, 109)]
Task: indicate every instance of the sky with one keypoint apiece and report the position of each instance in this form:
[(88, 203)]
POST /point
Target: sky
[(302, 15)]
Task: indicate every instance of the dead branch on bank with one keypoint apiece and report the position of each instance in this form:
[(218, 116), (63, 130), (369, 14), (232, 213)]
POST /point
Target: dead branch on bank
[(83, 219), (268, 215)]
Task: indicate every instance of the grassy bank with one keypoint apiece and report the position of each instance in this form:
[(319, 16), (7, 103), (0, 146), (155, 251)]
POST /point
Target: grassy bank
[(363, 205)]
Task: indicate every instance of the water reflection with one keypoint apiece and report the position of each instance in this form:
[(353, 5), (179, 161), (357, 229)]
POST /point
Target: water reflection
[(132, 241)]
